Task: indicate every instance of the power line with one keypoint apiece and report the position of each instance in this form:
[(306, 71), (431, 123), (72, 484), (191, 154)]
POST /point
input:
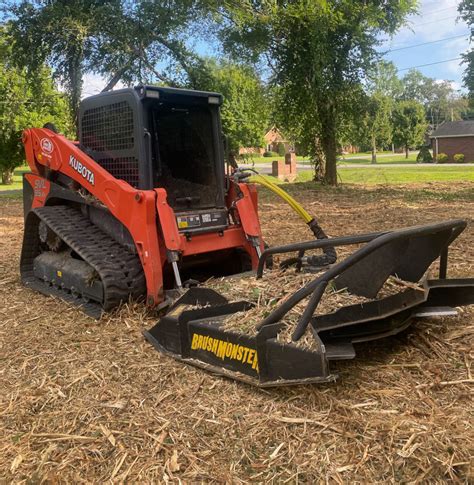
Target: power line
[(425, 43), (437, 11), (435, 21), (430, 64), (427, 4)]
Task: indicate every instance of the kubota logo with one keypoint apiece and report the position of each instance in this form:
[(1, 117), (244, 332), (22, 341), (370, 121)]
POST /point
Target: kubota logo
[(47, 145), (81, 169)]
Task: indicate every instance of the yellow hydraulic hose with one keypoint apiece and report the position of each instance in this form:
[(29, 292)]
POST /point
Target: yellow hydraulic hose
[(298, 208)]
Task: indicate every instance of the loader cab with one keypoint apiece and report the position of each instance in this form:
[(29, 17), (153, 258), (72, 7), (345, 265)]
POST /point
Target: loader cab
[(159, 137)]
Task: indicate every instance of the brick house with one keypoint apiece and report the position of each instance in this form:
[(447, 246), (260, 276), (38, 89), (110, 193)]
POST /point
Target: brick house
[(452, 137), (273, 137)]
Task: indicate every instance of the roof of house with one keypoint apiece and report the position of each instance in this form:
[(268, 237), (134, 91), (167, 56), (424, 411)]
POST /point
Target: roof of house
[(453, 129)]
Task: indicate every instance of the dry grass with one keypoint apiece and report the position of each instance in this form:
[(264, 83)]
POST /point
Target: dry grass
[(86, 401), (275, 287)]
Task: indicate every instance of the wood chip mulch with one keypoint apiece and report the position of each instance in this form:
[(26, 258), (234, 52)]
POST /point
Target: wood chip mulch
[(87, 401)]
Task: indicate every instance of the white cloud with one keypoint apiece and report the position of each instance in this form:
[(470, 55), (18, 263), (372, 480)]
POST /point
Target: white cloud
[(94, 83), (434, 21)]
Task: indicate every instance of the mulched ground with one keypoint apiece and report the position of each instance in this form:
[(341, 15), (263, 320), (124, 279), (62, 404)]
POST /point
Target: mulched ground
[(87, 401)]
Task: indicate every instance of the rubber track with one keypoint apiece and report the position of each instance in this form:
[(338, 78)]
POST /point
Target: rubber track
[(120, 271)]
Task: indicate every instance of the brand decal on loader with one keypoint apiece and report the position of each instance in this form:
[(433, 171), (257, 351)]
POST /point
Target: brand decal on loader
[(225, 350), (81, 169), (47, 146)]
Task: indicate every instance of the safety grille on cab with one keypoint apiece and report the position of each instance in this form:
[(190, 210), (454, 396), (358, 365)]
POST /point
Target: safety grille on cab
[(124, 168), (108, 127), (107, 132)]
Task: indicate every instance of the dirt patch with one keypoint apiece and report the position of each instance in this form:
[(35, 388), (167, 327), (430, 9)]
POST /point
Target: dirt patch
[(87, 401)]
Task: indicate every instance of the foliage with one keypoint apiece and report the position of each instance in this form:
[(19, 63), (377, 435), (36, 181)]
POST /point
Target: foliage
[(440, 100), (409, 124), (376, 124), (319, 53), (382, 78), (270, 154), (424, 155), (442, 158), (117, 39), (24, 104), (466, 10), (281, 149), (459, 158), (244, 112)]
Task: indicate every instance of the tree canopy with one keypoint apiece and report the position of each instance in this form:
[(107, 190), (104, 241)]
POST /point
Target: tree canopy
[(245, 112), (466, 11), (440, 100), (319, 53), (24, 104), (409, 124), (128, 41)]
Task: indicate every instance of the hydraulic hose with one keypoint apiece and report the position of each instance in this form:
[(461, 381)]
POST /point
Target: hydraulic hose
[(298, 208), (330, 255)]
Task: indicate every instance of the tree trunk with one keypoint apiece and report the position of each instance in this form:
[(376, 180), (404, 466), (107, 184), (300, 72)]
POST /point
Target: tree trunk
[(374, 150), (318, 160), (75, 83), (407, 151), (329, 143), (7, 176)]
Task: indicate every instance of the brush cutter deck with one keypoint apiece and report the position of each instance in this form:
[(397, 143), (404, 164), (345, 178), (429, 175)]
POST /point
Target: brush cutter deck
[(193, 329)]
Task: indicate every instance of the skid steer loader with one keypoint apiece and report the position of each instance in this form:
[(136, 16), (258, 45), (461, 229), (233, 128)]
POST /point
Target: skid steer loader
[(145, 206)]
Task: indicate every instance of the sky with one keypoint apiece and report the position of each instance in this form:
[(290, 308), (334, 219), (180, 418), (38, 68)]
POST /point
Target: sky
[(436, 21)]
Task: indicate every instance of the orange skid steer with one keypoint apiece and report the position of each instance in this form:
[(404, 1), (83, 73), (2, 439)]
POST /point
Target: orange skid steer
[(145, 206)]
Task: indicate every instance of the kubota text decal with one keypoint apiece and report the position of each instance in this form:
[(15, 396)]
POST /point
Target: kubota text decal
[(81, 169)]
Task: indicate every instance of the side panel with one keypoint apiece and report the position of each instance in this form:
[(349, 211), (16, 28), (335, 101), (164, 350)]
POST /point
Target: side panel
[(40, 188)]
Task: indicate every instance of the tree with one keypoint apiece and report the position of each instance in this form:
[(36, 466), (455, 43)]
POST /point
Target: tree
[(117, 39), (466, 11), (59, 32), (409, 124), (382, 78), (319, 53), (24, 104), (440, 100), (376, 124), (245, 113)]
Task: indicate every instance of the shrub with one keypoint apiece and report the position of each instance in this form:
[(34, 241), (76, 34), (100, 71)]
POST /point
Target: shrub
[(270, 154), (281, 149), (424, 155), (442, 158), (459, 158)]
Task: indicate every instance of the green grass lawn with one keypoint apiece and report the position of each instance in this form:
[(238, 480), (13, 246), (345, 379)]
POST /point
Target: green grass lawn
[(397, 158), (17, 179), (368, 154), (260, 159), (387, 157), (400, 175)]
